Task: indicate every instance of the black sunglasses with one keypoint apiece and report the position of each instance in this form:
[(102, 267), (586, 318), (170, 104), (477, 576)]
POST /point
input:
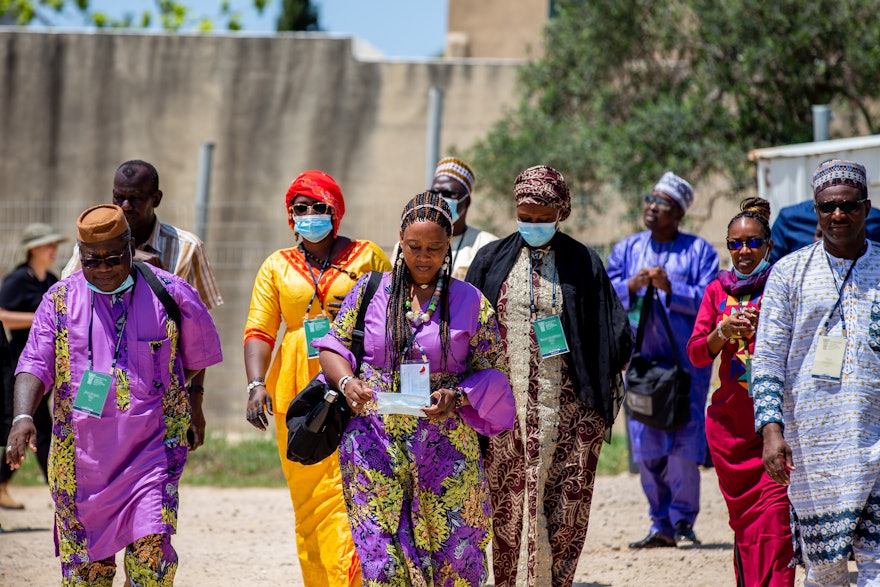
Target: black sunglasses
[(109, 261), (317, 208), (752, 243), (449, 194), (846, 206)]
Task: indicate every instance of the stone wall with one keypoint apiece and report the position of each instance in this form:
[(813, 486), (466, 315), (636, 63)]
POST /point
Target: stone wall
[(75, 105)]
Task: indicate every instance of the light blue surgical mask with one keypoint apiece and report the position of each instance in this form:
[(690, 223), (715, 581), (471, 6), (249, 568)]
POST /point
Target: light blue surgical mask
[(761, 266), (453, 207), (129, 282), (313, 227), (537, 234)]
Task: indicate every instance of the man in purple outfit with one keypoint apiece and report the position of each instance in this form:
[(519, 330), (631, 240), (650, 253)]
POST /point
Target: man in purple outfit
[(119, 365), (679, 266)]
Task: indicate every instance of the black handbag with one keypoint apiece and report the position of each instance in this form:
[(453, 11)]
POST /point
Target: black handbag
[(657, 394), (317, 416)]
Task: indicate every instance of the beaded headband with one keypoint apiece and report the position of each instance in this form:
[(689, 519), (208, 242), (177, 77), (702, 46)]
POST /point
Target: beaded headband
[(431, 206)]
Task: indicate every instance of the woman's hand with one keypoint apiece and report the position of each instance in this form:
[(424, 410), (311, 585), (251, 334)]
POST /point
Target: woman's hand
[(739, 325), (259, 401), (357, 394), (444, 405)]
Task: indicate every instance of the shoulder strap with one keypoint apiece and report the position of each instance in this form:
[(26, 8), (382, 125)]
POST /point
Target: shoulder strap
[(648, 302), (357, 335), (166, 298)]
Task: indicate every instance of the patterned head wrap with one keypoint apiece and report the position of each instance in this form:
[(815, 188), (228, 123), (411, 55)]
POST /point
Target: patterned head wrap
[(677, 189), (457, 170), (840, 172), (544, 186), (319, 186)]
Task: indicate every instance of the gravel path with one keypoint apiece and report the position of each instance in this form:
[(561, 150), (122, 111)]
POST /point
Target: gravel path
[(245, 537)]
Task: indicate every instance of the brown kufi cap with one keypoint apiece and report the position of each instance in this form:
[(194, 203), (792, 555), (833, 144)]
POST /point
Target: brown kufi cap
[(100, 223)]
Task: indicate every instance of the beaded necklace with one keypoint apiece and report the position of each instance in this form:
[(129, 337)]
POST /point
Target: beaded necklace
[(352, 275), (416, 317)]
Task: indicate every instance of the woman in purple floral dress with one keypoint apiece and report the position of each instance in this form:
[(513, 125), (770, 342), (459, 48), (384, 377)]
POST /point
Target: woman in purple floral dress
[(429, 381)]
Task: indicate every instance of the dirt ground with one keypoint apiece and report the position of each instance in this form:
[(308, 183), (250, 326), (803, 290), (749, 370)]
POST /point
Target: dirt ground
[(245, 537)]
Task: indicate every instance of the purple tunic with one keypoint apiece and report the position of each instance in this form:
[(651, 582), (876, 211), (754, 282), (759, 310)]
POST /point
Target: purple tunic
[(114, 478), (690, 263)]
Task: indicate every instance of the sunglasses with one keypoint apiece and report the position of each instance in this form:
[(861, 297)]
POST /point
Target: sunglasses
[(316, 208), (449, 194), (662, 203), (846, 206), (109, 261), (752, 243)]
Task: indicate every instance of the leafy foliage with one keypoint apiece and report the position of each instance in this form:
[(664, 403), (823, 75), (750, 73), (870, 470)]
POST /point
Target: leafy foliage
[(171, 15), (627, 89), (297, 15)]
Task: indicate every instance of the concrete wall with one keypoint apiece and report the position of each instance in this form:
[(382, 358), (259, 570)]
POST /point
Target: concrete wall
[(74, 106)]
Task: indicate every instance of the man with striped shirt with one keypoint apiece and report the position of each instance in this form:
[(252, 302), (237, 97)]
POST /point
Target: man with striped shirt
[(136, 191)]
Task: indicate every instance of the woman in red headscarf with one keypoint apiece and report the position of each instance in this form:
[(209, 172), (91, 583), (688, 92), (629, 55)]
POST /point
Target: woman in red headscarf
[(302, 285)]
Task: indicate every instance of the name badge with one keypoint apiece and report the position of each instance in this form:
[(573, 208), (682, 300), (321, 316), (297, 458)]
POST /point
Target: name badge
[(315, 329), (415, 392), (551, 337), (828, 362), (92, 393)]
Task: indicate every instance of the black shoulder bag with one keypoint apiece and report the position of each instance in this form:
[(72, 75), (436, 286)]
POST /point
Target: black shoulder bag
[(317, 417), (656, 394)]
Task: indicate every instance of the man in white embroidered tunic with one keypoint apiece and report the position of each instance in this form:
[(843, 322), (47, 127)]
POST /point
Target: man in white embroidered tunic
[(815, 382)]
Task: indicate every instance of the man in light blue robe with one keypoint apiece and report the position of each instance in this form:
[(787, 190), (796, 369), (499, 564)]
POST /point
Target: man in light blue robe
[(679, 266), (815, 383)]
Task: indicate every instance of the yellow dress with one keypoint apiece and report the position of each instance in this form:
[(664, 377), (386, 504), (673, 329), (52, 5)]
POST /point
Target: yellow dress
[(283, 289)]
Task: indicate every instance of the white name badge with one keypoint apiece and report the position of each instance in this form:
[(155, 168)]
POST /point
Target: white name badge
[(92, 393), (415, 392), (828, 362), (551, 337), (315, 329)]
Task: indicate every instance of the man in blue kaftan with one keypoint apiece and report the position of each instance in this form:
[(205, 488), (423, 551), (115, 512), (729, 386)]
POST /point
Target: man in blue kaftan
[(680, 266)]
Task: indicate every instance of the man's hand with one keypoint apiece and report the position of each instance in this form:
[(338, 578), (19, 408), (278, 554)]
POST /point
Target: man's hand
[(22, 434), (639, 280), (149, 258), (196, 433), (660, 280), (777, 454)]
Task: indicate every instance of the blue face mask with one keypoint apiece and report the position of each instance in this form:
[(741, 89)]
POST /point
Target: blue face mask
[(453, 207), (129, 281), (761, 266), (537, 234), (313, 227)]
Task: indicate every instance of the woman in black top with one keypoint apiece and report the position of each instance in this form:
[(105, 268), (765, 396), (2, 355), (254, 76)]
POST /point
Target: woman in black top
[(20, 294)]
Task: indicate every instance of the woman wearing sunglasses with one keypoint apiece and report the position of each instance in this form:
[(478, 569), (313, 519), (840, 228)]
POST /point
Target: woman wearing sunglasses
[(726, 322), (302, 286)]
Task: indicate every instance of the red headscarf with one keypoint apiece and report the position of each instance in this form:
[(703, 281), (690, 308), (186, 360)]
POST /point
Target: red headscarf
[(319, 186)]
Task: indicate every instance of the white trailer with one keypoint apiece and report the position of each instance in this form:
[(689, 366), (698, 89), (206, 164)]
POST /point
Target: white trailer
[(785, 173)]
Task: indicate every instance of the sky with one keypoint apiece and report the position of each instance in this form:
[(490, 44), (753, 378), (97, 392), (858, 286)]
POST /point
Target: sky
[(398, 28)]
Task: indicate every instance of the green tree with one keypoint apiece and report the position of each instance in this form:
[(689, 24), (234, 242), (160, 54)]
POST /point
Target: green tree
[(172, 15), (627, 89), (297, 15)]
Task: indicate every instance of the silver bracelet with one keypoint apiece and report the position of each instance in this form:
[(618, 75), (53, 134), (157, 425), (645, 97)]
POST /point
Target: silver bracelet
[(342, 381), (721, 334), (21, 417), (255, 383)]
